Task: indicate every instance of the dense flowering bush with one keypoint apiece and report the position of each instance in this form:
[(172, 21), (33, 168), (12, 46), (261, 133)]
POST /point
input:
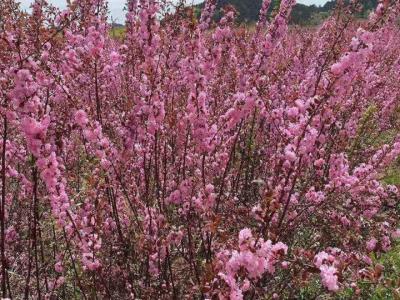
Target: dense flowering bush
[(194, 160)]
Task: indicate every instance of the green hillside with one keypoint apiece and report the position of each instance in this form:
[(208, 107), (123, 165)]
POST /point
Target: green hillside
[(248, 10)]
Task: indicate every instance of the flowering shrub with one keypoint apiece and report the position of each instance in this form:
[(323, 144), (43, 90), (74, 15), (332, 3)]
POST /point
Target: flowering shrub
[(193, 160)]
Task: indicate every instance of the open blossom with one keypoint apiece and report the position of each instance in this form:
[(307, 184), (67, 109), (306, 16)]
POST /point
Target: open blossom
[(245, 237), (290, 155), (329, 278), (325, 262), (320, 258), (59, 267), (255, 261), (371, 244), (396, 234), (81, 118), (35, 129), (90, 262)]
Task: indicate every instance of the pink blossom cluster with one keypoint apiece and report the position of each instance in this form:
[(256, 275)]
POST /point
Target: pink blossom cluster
[(255, 256)]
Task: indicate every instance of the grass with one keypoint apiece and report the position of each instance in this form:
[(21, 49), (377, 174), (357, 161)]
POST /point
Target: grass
[(388, 286), (118, 32), (392, 177)]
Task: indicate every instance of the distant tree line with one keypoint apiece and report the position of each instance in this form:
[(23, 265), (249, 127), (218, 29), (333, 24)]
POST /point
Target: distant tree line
[(301, 14)]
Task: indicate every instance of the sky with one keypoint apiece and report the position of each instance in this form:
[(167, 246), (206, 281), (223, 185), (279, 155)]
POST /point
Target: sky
[(116, 6)]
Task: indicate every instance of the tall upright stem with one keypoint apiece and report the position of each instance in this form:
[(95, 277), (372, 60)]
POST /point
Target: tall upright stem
[(2, 217)]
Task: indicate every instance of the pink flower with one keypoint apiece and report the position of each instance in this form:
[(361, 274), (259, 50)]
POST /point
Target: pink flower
[(319, 162), (337, 68), (289, 154), (293, 112), (245, 237), (60, 281), (367, 260), (279, 247), (371, 244), (320, 258), (396, 234), (81, 118), (246, 285), (329, 278), (59, 267), (285, 264), (89, 262), (386, 243)]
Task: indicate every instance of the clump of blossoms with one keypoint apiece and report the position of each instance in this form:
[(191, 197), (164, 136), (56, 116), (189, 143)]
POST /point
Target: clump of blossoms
[(196, 159), (255, 257)]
